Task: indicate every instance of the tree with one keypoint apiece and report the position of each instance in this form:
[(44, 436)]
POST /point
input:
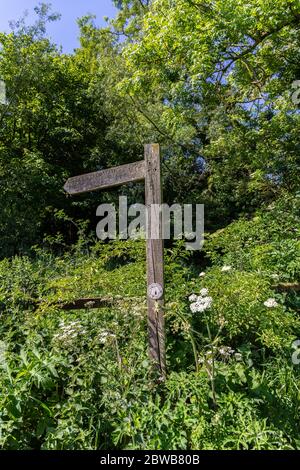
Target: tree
[(224, 72), (55, 125)]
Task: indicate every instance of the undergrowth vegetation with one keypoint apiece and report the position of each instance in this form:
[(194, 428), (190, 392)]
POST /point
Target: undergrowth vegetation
[(216, 85), (82, 379)]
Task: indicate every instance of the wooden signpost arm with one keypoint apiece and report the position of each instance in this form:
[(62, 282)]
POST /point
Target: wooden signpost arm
[(110, 178)]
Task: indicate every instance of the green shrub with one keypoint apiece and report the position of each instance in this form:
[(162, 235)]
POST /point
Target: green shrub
[(83, 380)]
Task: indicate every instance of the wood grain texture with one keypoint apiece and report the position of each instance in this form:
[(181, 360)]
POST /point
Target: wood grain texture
[(287, 286), (109, 178), (155, 255)]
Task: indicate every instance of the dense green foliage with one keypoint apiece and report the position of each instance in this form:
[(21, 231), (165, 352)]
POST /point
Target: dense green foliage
[(82, 380), (214, 83)]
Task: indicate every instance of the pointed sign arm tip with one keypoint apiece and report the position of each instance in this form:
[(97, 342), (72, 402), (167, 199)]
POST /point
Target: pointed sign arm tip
[(109, 178)]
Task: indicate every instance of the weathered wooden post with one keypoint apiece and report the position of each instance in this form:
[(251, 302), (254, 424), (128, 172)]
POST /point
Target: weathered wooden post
[(155, 256), (149, 170)]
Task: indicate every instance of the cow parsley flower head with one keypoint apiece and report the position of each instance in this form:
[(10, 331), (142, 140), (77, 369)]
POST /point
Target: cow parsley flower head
[(200, 303), (226, 268), (202, 274), (193, 298), (207, 301), (104, 336), (204, 292), (194, 307), (271, 303), (226, 351), (68, 332)]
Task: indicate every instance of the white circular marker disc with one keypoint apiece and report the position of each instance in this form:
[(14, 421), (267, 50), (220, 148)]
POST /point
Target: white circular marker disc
[(155, 291)]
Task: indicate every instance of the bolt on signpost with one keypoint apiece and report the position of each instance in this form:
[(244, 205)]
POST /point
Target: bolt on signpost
[(148, 170)]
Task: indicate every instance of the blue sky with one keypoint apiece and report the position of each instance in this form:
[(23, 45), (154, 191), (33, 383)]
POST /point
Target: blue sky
[(65, 31)]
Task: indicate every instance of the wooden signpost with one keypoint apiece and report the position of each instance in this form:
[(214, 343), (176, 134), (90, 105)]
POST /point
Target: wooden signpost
[(148, 170)]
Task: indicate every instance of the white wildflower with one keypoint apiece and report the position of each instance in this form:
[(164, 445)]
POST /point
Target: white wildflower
[(193, 298), (194, 307), (204, 292), (226, 268), (271, 303), (68, 332), (207, 301), (201, 307), (201, 304), (104, 336), (226, 351), (202, 274)]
